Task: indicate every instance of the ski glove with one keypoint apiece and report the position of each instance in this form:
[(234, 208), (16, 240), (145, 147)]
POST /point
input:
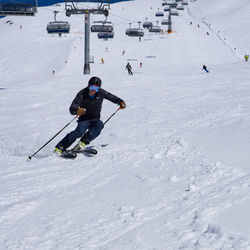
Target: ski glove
[(122, 105), (81, 111)]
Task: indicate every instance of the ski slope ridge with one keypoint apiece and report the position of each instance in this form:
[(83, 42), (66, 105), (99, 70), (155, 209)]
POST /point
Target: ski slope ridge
[(172, 168)]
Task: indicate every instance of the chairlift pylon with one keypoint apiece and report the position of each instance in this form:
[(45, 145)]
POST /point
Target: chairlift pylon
[(18, 7)]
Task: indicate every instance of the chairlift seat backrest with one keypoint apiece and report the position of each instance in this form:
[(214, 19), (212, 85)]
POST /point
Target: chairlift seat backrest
[(134, 32), (58, 27), (101, 28), (105, 35), (155, 29)]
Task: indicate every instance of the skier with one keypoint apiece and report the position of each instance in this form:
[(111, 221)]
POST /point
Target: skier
[(205, 68), (102, 60), (87, 104), (129, 68), (246, 58)]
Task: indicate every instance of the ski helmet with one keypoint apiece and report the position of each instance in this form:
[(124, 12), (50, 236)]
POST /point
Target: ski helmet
[(95, 81)]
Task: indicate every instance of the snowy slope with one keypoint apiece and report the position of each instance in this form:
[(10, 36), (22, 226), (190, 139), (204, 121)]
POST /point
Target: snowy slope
[(172, 169)]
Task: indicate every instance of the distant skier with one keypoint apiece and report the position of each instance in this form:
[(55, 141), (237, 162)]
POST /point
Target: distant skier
[(205, 68), (102, 60), (140, 64), (87, 104), (129, 69), (246, 58), (123, 52)]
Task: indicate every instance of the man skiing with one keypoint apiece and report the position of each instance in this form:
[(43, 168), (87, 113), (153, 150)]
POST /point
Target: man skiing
[(205, 68), (87, 104), (129, 68), (246, 58)]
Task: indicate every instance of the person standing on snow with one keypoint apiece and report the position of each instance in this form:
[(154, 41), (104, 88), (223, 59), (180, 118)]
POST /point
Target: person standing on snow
[(87, 104), (129, 68), (205, 68), (246, 58)]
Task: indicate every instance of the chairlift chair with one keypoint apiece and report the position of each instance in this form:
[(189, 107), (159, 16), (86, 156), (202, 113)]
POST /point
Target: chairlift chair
[(102, 26), (134, 32), (155, 29), (184, 3), (174, 13), (58, 27), (147, 25), (180, 7), (18, 7), (159, 13), (166, 8), (165, 22), (105, 35)]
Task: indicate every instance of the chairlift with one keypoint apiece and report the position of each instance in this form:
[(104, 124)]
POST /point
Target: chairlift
[(166, 8), (105, 35), (174, 13), (184, 3), (58, 27), (165, 22), (102, 26), (147, 24), (155, 29), (18, 7), (180, 7), (134, 32), (159, 13)]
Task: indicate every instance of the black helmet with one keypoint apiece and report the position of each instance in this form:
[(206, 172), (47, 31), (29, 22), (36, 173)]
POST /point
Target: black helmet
[(95, 81)]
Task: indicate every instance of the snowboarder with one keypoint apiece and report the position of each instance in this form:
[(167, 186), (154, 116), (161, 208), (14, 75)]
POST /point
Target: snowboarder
[(246, 58), (87, 104), (205, 68), (129, 68)]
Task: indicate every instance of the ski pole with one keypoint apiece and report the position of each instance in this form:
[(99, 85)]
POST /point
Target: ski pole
[(53, 137), (111, 116)]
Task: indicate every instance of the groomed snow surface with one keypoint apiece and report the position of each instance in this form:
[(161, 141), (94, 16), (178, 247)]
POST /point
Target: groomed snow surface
[(172, 170)]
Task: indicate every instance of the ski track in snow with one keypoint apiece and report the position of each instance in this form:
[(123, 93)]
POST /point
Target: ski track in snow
[(154, 185)]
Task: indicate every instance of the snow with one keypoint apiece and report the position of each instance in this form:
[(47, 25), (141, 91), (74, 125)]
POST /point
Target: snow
[(172, 170)]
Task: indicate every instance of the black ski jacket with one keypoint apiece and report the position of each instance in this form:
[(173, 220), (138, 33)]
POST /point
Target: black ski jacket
[(93, 106)]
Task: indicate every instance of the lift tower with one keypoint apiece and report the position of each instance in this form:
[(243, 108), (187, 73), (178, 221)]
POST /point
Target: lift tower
[(74, 7), (171, 5)]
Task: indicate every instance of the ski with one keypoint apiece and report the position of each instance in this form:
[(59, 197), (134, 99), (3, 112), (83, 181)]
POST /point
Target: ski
[(90, 151), (68, 155), (72, 154)]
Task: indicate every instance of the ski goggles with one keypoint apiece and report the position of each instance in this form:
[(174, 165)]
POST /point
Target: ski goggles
[(94, 87)]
